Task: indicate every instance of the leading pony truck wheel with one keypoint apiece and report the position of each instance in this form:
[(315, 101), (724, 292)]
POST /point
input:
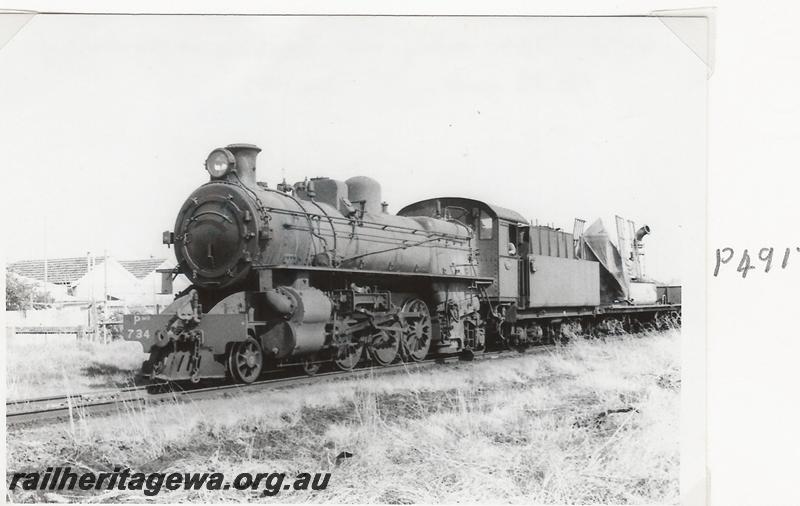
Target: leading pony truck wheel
[(245, 361)]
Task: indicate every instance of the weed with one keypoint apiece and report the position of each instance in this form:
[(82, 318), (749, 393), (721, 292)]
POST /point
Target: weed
[(592, 422)]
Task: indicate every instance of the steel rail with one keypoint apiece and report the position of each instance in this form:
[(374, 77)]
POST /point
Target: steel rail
[(54, 409), (41, 403)]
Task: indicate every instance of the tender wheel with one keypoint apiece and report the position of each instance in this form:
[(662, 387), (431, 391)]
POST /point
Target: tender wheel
[(347, 348), (384, 346), (245, 361), (675, 319), (416, 336)]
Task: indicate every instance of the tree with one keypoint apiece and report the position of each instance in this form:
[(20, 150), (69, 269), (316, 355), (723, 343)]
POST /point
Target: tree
[(22, 295)]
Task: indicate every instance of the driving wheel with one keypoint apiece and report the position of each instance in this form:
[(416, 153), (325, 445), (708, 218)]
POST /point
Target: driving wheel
[(416, 335)]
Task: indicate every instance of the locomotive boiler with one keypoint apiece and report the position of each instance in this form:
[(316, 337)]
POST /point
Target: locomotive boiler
[(233, 222), (319, 273)]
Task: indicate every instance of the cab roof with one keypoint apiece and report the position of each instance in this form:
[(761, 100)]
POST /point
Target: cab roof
[(495, 211)]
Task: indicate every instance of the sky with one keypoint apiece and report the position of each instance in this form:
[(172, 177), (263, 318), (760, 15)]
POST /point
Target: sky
[(107, 120)]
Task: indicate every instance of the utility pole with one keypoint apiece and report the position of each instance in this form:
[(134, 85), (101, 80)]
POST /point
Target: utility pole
[(105, 275), (91, 276), (92, 308), (155, 290), (45, 252), (105, 295)]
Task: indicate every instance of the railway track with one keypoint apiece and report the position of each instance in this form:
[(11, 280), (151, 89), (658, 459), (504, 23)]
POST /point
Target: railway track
[(43, 410)]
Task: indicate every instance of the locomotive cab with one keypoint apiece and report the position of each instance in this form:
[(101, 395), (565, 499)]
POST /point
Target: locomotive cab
[(503, 239), (532, 266)]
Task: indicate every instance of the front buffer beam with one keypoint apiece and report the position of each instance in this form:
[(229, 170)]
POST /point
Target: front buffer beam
[(190, 355)]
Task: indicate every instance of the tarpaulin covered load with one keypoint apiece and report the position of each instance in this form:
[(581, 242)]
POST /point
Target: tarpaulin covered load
[(613, 281)]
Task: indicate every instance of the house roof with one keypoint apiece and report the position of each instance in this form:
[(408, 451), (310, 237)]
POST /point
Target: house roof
[(63, 271), (141, 268), (60, 271)]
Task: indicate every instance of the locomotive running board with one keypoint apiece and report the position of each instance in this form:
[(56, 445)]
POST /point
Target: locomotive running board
[(332, 270), (571, 312)]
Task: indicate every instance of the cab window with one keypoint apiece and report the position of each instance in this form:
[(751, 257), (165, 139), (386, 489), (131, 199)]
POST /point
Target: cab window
[(484, 226)]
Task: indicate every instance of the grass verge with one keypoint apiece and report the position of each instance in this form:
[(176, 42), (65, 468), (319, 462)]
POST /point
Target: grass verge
[(39, 369), (592, 422)]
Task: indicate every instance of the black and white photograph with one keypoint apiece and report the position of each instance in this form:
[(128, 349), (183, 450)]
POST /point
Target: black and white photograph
[(367, 258)]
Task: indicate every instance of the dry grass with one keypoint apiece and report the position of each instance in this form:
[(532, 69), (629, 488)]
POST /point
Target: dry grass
[(593, 422), (59, 367)]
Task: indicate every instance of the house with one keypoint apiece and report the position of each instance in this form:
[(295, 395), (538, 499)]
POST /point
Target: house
[(70, 276), (156, 288), (106, 280), (86, 279)]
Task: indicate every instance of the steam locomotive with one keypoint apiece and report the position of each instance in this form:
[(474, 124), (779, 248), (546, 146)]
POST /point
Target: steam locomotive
[(319, 273)]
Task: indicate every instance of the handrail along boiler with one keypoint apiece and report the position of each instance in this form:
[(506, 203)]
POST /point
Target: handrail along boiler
[(320, 273)]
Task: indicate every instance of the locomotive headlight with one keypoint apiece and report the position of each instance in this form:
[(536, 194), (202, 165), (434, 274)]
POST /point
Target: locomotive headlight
[(220, 162)]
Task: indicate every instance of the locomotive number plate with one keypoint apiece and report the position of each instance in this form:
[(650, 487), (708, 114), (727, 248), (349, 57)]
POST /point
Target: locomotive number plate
[(144, 328), (138, 334)]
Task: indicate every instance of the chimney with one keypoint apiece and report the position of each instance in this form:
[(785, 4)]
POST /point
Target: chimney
[(245, 155)]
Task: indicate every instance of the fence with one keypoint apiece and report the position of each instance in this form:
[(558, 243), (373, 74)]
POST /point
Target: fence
[(77, 322), (67, 317)]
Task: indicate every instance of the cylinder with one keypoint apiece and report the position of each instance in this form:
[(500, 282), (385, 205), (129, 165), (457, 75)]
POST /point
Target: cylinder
[(306, 312)]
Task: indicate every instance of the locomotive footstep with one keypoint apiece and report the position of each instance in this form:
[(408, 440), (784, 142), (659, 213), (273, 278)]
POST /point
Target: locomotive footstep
[(311, 365)]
